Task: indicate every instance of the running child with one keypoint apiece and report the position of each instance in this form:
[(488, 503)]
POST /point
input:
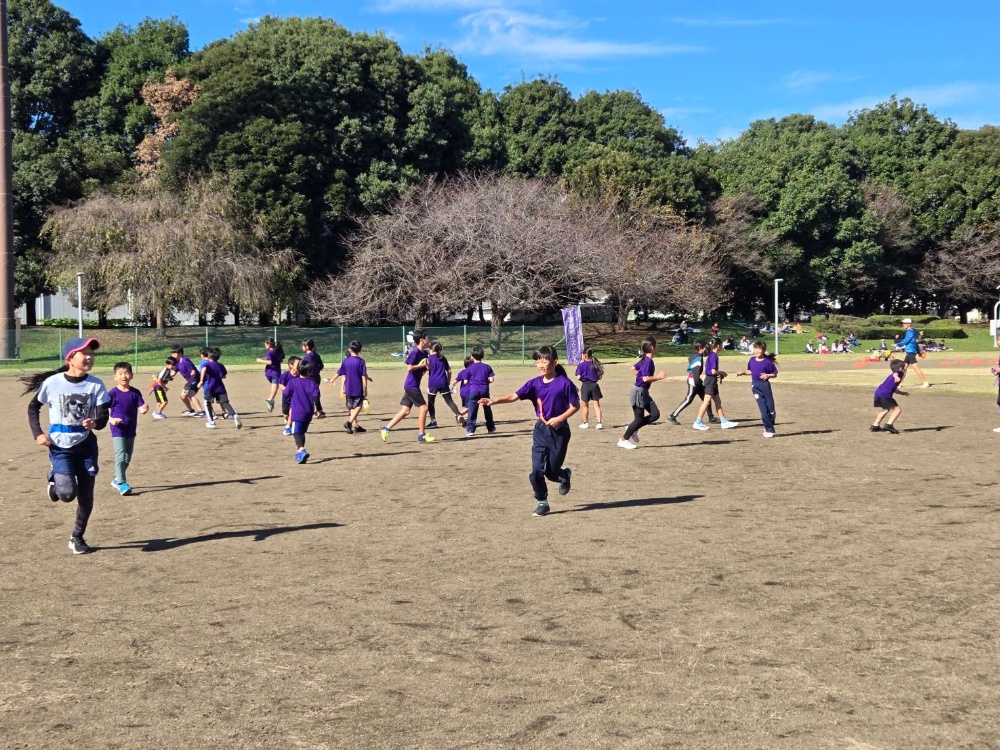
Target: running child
[(213, 373), (310, 355), (762, 369), (159, 387), (695, 386), (462, 381), (480, 376), (126, 403), (302, 395), (78, 405), (439, 384), (286, 375), (590, 371), (884, 400), (639, 398), (189, 374), (713, 378), (274, 355), (416, 366), (354, 371), (554, 399)]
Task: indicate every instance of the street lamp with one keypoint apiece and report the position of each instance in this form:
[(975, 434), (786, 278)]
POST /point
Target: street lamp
[(776, 322), (79, 305)]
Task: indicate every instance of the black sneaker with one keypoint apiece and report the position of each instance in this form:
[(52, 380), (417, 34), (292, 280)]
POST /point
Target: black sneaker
[(564, 485), (875, 428), (542, 509), (51, 492), (349, 428), (713, 420), (891, 429), (359, 428), (672, 419), (79, 547)]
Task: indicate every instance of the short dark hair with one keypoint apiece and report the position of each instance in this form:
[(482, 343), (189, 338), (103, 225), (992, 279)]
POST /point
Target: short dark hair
[(478, 352), (419, 333), (123, 366), (171, 361), (354, 346)]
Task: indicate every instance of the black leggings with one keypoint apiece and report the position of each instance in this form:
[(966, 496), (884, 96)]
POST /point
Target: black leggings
[(300, 439), (640, 419), (447, 399)]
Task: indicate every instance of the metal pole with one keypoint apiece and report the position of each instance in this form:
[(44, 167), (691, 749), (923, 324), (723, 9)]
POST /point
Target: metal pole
[(342, 342), (776, 323), (8, 335), (136, 355), (79, 305), (465, 341), (522, 344)]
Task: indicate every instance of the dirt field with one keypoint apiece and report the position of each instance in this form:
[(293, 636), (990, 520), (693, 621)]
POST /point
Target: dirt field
[(830, 588)]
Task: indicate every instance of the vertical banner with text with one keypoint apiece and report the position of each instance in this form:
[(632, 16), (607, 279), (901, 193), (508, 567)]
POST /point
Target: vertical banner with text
[(573, 328)]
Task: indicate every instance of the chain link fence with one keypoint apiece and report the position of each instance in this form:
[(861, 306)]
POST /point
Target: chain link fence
[(41, 346)]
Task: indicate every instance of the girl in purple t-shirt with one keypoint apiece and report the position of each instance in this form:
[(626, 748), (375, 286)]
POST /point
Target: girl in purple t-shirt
[(590, 370), (274, 355), (762, 368), (645, 375), (555, 399), (302, 392), (713, 378)]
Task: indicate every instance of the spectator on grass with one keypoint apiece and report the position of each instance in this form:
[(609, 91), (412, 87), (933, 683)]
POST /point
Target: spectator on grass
[(810, 348)]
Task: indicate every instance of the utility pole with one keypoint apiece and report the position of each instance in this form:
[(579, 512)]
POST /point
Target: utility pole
[(7, 311)]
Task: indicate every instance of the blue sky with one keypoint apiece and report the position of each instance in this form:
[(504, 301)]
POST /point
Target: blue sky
[(711, 68)]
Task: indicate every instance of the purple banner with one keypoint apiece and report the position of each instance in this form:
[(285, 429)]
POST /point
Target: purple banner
[(573, 328)]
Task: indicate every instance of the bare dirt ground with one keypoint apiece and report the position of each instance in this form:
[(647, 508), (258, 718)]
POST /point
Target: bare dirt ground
[(830, 588)]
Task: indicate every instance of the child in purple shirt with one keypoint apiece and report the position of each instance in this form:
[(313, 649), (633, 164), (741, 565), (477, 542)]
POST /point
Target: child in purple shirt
[(189, 373), (354, 371), (480, 376), (310, 355), (590, 370), (302, 393), (416, 366), (713, 378), (884, 400), (555, 400), (212, 374), (438, 384), (126, 405), (274, 354), (286, 375), (762, 369), (639, 398), (462, 381)]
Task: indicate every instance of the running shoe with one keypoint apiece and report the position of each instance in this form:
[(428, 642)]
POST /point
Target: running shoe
[(269, 402), (349, 428), (158, 415), (728, 424), (384, 434), (422, 438), (627, 445), (236, 421), (584, 426), (542, 509), (699, 425), (124, 488), (890, 429), (301, 456), (672, 419), (79, 547), (565, 485)]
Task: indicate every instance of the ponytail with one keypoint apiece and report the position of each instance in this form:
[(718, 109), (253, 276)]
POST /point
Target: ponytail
[(33, 380), (596, 363)]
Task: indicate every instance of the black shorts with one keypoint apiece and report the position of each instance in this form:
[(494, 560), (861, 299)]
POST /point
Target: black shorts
[(191, 389), (910, 358), (412, 397), (354, 402), (711, 385), (286, 408), (885, 403), (590, 391), (160, 394)]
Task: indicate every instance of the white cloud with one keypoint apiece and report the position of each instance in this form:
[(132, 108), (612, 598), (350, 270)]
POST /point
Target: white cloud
[(935, 98), (739, 22), (500, 31), (804, 80), (250, 21), (425, 6)]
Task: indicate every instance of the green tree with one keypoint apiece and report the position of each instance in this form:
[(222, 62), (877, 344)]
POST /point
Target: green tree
[(541, 126)]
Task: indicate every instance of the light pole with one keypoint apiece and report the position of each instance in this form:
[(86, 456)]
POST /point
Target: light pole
[(8, 335), (776, 322), (79, 305)]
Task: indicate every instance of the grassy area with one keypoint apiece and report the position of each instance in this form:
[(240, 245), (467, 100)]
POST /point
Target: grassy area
[(144, 348)]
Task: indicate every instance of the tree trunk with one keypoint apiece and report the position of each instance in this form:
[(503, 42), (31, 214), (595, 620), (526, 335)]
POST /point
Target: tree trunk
[(496, 325), (623, 307), (265, 320), (202, 318), (30, 313), (237, 312), (102, 317), (161, 322)]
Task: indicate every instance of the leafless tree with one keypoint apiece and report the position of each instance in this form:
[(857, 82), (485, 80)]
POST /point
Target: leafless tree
[(966, 270), (189, 249)]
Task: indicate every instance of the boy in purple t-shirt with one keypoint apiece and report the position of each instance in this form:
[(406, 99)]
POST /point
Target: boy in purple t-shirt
[(416, 366), (126, 405), (212, 374), (189, 374), (480, 376), (555, 399), (884, 400), (354, 371), (286, 375)]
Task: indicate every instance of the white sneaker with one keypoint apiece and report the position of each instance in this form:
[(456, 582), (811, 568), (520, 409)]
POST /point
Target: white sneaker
[(158, 415), (210, 425), (584, 426), (768, 434), (627, 445), (236, 421), (728, 425), (598, 426), (996, 429), (699, 425), (926, 385)]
